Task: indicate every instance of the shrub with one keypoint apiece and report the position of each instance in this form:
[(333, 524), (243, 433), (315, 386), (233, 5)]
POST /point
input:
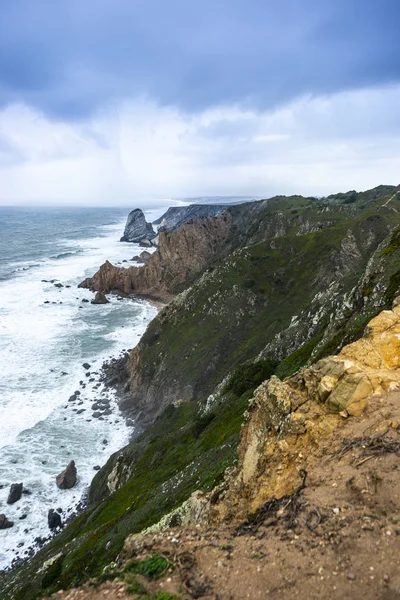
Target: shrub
[(249, 376)]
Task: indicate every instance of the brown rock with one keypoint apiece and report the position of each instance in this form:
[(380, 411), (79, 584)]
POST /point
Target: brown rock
[(100, 298), (67, 478), (180, 256)]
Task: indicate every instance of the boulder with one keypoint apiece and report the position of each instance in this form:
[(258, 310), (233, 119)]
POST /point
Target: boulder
[(15, 493), (4, 522), (145, 243), (137, 228), (144, 256), (67, 478), (53, 519), (100, 298)]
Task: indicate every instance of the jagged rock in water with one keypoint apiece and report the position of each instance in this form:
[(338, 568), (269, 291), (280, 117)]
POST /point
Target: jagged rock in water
[(53, 519), (67, 478), (4, 522), (15, 493), (137, 228), (100, 298)]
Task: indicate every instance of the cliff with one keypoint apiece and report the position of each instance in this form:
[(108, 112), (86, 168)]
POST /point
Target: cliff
[(319, 273), (269, 393), (180, 256), (137, 228), (177, 215)]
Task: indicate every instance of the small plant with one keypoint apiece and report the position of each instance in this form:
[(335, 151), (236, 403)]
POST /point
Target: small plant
[(152, 567), (135, 587), (201, 423), (160, 596), (249, 376)]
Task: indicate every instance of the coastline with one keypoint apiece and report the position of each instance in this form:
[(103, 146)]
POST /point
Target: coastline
[(27, 536)]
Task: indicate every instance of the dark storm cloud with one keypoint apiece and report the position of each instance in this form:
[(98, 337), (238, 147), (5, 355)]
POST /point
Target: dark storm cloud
[(69, 57)]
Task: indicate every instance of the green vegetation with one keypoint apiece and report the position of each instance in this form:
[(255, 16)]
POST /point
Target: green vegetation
[(393, 245), (152, 567), (270, 295), (135, 587), (249, 376)]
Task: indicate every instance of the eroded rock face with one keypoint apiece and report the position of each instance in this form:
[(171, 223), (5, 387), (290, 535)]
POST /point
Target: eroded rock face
[(137, 228), (178, 259), (177, 215), (67, 478), (287, 420)]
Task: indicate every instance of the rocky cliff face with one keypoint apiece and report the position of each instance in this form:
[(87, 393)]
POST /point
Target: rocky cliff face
[(289, 421), (177, 215), (137, 228), (293, 297), (179, 258)]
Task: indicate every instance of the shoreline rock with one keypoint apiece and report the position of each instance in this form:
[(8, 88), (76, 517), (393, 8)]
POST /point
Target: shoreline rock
[(100, 298), (137, 229), (15, 493), (67, 478), (5, 523)]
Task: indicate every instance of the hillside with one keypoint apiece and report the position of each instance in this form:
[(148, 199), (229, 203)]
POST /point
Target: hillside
[(311, 508), (291, 281)]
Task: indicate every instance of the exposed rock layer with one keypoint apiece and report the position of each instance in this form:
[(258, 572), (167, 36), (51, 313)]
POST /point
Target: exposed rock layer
[(288, 420), (177, 215), (179, 258)]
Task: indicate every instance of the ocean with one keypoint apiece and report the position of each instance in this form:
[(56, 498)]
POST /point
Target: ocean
[(46, 334)]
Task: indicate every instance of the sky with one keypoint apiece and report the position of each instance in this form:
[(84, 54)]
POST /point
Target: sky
[(106, 102)]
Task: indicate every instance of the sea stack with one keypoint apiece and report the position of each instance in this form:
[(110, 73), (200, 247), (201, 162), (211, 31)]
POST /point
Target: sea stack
[(137, 228), (67, 478)]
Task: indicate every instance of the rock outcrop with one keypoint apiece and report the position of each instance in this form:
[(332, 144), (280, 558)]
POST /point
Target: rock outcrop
[(53, 519), (288, 420), (137, 228), (177, 215), (4, 522), (15, 493), (180, 256), (100, 298), (67, 478)]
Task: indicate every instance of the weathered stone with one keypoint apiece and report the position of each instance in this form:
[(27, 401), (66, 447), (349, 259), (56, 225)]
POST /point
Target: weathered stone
[(4, 522), (145, 256), (137, 228), (179, 258), (100, 298), (67, 478), (53, 519), (15, 493)]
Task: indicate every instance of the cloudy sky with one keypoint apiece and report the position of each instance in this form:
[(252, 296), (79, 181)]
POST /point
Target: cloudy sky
[(109, 101)]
